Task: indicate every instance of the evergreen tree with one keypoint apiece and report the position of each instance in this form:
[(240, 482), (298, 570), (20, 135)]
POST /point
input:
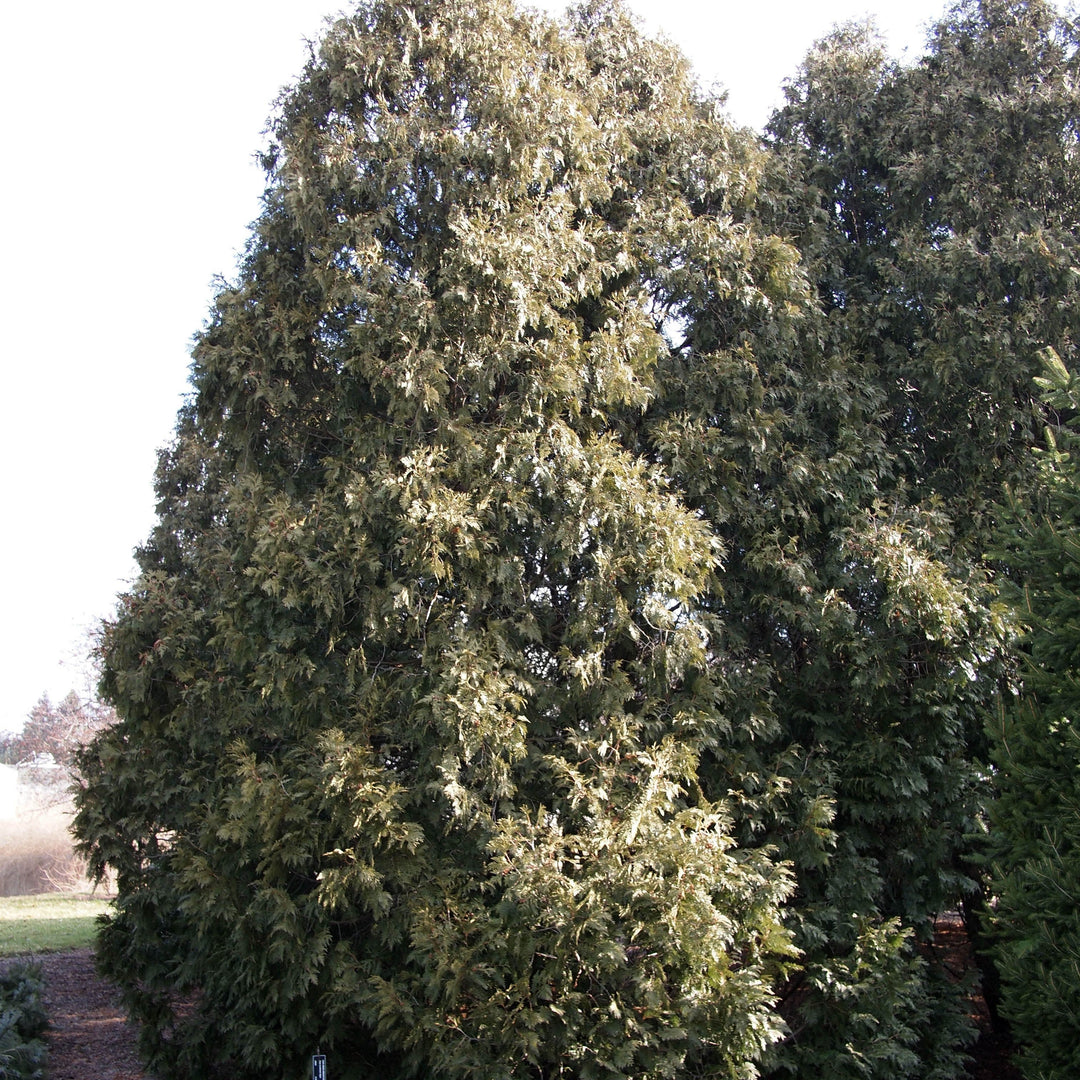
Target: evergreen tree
[(415, 686), (576, 532), (57, 730), (936, 204), (853, 469), (1035, 838)]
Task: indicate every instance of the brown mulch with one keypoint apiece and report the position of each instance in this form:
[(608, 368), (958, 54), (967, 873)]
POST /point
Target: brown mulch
[(992, 1053), (90, 1039)]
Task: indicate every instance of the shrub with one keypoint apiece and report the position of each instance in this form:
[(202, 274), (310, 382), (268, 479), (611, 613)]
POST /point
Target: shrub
[(22, 1023)]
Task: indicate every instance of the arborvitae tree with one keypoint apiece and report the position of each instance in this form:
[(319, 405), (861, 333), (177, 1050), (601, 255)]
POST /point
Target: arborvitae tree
[(937, 205), (933, 205), (855, 647), (421, 715), (1035, 839), (546, 560)]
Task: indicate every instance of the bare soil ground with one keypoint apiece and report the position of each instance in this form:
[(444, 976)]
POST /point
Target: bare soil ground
[(90, 1039)]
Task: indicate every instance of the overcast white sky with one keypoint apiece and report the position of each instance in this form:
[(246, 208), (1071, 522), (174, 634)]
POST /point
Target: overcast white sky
[(129, 130)]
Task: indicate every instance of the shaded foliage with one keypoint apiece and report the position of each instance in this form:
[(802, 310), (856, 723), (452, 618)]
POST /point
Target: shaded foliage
[(1035, 840), (933, 205), (23, 1022)]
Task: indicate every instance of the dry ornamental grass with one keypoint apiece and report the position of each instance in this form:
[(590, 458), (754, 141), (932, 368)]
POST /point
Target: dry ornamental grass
[(36, 853)]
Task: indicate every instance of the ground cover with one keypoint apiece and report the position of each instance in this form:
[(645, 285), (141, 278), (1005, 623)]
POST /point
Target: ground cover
[(51, 922)]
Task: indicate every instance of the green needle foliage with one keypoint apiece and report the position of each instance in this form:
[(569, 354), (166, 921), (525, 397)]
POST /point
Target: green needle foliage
[(415, 684), (1035, 843)]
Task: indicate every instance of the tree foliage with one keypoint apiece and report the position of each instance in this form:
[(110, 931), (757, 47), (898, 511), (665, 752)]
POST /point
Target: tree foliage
[(415, 683), (23, 1022), (566, 642), (933, 205), (943, 199), (1035, 842)]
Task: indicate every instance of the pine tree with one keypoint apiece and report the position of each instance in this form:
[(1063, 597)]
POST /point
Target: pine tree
[(416, 687)]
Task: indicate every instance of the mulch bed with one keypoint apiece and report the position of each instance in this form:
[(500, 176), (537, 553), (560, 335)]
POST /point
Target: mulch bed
[(992, 1053), (90, 1038)]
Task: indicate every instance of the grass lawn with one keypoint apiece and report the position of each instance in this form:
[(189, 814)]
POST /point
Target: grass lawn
[(51, 922)]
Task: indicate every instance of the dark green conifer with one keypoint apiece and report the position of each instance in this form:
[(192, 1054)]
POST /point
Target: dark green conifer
[(1035, 833), (932, 204)]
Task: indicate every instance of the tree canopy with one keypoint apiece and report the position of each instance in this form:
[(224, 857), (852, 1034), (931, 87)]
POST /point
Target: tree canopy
[(568, 638), (414, 684)]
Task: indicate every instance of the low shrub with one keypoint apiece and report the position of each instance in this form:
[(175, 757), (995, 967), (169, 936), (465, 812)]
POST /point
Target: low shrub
[(22, 1023)]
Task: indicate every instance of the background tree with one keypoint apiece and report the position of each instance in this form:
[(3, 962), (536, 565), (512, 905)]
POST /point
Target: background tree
[(852, 461), (57, 730), (849, 642), (936, 204), (415, 687)]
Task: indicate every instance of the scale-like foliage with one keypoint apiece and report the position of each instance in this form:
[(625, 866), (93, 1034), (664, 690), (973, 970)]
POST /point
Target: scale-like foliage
[(415, 684), (553, 559), (853, 646), (1035, 840), (939, 215), (851, 461)]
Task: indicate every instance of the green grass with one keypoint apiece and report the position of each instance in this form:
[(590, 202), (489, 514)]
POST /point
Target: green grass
[(50, 922)]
